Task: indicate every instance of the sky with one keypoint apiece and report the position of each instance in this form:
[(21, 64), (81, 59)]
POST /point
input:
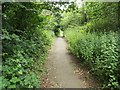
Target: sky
[(78, 2)]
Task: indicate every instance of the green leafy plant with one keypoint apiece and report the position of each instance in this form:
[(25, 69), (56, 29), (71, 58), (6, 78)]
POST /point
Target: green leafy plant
[(25, 44)]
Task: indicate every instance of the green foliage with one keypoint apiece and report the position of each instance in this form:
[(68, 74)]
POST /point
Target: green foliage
[(71, 19), (28, 29), (94, 38), (99, 52), (25, 44), (96, 10), (101, 25)]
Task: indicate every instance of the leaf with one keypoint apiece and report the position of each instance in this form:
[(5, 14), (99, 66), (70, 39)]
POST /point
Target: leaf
[(15, 79), (12, 86)]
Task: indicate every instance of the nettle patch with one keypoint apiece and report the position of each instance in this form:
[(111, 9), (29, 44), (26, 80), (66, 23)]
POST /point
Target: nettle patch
[(99, 51)]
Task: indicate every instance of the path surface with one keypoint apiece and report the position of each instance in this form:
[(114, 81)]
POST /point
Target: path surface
[(62, 71)]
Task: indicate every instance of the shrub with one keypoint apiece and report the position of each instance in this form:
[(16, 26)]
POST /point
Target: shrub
[(24, 59), (25, 45), (99, 52)]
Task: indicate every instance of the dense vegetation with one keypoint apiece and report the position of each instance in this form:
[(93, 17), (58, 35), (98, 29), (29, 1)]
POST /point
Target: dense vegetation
[(92, 33), (26, 41), (28, 28)]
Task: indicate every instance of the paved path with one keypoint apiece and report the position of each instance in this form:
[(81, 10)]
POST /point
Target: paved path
[(61, 69)]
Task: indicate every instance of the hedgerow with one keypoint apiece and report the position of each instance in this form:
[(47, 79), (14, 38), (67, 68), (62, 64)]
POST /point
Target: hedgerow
[(25, 44), (95, 40), (99, 52)]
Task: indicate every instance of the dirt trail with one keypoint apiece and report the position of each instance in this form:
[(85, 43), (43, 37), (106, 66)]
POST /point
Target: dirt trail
[(62, 71)]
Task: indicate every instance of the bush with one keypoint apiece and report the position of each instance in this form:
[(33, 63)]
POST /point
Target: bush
[(99, 52), (101, 25), (92, 35), (24, 59), (25, 45)]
